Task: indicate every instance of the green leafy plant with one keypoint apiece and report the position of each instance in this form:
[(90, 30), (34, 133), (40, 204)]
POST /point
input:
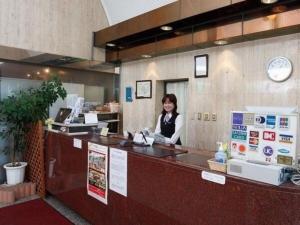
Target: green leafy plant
[(24, 108)]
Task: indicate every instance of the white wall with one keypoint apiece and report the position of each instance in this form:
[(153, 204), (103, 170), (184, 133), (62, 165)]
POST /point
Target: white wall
[(237, 78), (63, 27)]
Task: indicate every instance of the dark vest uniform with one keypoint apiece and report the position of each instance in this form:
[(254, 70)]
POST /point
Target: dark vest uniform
[(168, 128)]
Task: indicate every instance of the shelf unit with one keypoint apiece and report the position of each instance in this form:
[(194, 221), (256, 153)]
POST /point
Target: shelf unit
[(113, 120)]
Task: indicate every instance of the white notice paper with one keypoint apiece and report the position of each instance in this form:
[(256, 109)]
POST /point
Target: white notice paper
[(90, 118), (118, 171), (216, 178), (77, 143)]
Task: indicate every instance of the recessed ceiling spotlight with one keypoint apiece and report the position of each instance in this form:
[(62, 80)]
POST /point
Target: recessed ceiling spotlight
[(146, 56), (166, 28), (110, 45), (221, 42), (268, 1)]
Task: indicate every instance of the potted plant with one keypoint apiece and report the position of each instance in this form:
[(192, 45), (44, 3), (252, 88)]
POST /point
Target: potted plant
[(21, 110)]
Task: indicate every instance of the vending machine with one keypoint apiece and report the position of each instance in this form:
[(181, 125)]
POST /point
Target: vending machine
[(264, 137)]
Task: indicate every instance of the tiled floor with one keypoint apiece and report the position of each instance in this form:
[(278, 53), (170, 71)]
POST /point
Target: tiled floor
[(68, 213), (65, 211)]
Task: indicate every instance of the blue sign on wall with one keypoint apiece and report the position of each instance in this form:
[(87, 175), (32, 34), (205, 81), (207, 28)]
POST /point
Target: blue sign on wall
[(128, 94)]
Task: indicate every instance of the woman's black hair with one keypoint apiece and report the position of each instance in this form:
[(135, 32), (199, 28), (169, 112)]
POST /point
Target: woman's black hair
[(172, 98)]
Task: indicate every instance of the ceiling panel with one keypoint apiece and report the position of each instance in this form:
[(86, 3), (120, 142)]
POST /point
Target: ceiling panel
[(120, 10)]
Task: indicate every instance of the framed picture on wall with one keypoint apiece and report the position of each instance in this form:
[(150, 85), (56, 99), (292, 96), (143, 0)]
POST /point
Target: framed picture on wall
[(143, 89), (201, 66)]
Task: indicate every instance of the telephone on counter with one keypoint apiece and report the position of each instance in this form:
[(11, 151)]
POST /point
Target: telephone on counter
[(129, 141), (127, 135)]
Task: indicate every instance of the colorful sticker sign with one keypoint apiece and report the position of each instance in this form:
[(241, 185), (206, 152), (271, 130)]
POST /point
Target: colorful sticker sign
[(284, 122), (254, 134), (253, 147), (285, 160), (268, 151), (284, 151), (237, 118), (242, 148), (260, 121), (248, 119), (239, 127), (271, 121), (234, 146), (239, 135), (253, 141), (288, 139), (269, 136)]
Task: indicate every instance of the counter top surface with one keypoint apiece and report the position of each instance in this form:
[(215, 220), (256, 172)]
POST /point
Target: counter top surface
[(191, 158), (168, 190)]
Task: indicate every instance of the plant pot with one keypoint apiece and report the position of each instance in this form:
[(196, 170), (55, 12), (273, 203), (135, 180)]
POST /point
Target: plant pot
[(15, 174)]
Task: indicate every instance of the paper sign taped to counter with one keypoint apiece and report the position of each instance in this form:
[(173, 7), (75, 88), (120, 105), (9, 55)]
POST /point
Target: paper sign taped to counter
[(97, 172), (118, 171), (77, 143), (216, 178)]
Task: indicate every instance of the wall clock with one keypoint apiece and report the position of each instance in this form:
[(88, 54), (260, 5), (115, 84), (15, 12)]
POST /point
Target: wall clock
[(279, 69)]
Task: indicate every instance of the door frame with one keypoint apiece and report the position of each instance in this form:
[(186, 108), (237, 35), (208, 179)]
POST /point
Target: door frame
[(173, 81)]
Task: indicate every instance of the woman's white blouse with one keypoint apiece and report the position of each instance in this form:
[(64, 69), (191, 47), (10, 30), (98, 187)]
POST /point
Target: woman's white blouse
[(178, 128)]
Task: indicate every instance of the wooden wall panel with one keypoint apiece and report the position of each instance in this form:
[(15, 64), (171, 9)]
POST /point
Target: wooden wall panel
[(161, 16), (137, 52), (193, 7), (174, 43), (167, 14), (272, 22), (149, 20), (217, 33)]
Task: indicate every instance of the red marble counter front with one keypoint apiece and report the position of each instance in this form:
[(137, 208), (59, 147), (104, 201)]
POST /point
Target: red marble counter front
[(166, 191)]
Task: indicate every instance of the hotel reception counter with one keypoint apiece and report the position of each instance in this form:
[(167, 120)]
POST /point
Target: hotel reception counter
[(165, 191)]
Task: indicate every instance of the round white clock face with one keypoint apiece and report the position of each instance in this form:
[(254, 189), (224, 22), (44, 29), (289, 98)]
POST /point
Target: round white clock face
[(279, 69)]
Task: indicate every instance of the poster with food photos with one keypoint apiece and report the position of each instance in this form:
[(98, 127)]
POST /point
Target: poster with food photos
[(264, 137), (97, 172)]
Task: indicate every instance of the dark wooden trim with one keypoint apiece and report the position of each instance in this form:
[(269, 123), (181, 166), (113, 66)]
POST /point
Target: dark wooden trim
[(207, 63), (250, 29)]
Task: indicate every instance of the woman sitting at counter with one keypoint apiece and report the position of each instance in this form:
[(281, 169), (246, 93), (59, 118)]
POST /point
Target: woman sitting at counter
[(170, 122)]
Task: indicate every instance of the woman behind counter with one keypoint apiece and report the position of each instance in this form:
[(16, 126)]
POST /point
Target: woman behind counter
[(170, 122)]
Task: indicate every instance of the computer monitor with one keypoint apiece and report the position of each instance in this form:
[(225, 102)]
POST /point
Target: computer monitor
[(62, 114)]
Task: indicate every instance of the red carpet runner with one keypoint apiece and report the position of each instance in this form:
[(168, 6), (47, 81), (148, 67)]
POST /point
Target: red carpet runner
[(35, 212)]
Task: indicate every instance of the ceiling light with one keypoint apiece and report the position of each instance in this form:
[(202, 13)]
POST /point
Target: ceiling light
[(146, 56), (38, 73), (110, 45), (47, 70), (221, 42), (28, 75), (268, 1), (166, 28)]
